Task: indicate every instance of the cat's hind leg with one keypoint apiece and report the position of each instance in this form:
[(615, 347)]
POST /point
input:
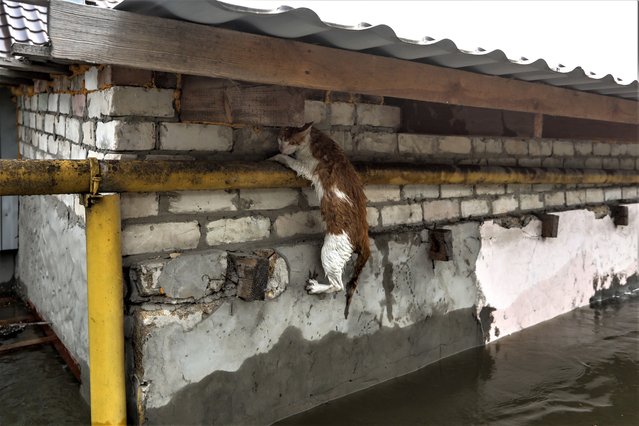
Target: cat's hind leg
[(336, 251)]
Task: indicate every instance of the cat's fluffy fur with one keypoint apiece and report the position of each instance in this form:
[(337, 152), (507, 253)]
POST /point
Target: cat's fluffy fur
[(319, 159)]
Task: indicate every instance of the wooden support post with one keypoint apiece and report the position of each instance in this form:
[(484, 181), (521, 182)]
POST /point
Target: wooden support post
[(619, 215), (441, 244), (549, 225), (538, 127)]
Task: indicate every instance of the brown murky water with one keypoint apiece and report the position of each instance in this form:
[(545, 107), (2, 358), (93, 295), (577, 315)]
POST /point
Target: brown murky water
[(581, 368)]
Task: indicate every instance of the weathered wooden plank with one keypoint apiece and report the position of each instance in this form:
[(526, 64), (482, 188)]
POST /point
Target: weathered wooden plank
[(538, 126), (226, 101), (26, 344), (25, 65), (27, 50), (95, 35), (571, 128)]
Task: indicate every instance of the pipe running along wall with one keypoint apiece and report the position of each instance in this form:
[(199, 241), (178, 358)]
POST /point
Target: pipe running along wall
[(33, 177)]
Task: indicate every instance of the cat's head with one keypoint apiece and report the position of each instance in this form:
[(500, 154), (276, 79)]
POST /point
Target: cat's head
[(291, 138)]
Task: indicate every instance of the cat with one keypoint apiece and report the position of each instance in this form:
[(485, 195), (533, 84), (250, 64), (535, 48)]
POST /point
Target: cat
[(316, 157)]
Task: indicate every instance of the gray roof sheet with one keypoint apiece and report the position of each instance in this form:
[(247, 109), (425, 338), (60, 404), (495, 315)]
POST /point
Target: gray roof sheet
[(305, 25), (25, 23)]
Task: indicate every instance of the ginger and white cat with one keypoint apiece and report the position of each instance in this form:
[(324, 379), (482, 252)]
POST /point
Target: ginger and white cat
[(316, 157)]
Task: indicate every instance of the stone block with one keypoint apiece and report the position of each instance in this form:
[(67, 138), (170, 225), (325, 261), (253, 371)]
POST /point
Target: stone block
[(118, 135), (440, 210), (131, 101), (315, 111), (530, 201), (601, 148), (594, 195), (78, 152), (65, 103), (268, 199), (60, 125), (490, 189), (401, 214), (52, 104), (255, 142), (529, 162), (136, 205), (474, 208), (576, 197), (382, 193), (454, 145), (378, 115), (64, 148), (593, 163), (91, 79), (629, 192), (417, 144), (554, 199), (311, 197), (341, 114), (420, 192), (227, 231), (73, 132), (583, 147), (627, 163), (563, 148), (516, 147), (49, 123), (111, 75), (633, 149), (574, 163), (187, 276), (78, 105), (299, 223), (610, 163), (539, 148), (372, 216), (202, 201), (159, 237), (453, 191), (343, 138), (612, 194), (505, 204), (376, 143), (552, 162), (618, 149), (196, 137)]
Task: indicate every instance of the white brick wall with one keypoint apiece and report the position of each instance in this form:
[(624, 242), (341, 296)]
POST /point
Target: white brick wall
[(315, 111), (455, 145), (378, 115), (612, 194), (159, 237), (202, 201), (516, 147), (382, 193), (629, 193), (420, 192), (563, 148), (131, 101), (576, 197), (117, 135), (382, 143), (530, 201), (450, 191), (342, 114), (227, 231), (490, 189), (505, 204), (138, 205), (594, 195), (73, 129), (555, 199), (307, 222), (372, 216), (417, 144), (474, 208), (269, 199), (440, 210), (401, 214), (197, 137)]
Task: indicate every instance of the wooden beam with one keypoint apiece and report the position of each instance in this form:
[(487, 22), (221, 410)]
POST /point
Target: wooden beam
[(26, 344), (17, 320), (104, 36), (26, 65), (572, 128), (41, 53), (24, 74)]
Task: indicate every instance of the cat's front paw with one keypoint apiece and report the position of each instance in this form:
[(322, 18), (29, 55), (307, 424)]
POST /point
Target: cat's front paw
[(280, 158)]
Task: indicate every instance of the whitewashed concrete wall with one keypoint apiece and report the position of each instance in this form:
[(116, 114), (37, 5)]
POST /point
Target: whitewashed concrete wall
[(528, 279)]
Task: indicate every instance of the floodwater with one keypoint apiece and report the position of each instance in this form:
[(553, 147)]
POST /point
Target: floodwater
[(581, 368), (35, 386)]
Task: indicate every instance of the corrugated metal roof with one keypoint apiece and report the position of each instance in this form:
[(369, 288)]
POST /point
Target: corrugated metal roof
[(305, 25), (21, 23), (25, 23)]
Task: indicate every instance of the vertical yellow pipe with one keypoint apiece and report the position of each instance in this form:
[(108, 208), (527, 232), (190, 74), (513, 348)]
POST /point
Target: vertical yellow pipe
[(106, 316)]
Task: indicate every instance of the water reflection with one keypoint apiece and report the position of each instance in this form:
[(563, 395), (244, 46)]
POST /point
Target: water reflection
[(581, 368)]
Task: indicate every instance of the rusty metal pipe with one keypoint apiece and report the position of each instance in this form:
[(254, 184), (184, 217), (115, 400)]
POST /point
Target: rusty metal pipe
[(31, 177)]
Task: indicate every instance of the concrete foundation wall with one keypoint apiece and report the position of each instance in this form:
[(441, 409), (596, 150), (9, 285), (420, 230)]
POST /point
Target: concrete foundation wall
[(198, 351)]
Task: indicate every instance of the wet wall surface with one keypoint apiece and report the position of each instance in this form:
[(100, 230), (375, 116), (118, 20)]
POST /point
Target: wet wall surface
[(581, 368)]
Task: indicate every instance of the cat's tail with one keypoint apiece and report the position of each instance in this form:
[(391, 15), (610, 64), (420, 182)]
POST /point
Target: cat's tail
[(362, 258)]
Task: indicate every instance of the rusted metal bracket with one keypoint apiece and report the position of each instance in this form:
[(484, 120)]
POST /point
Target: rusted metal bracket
[(94, 183), (441, 244), (549, 225)]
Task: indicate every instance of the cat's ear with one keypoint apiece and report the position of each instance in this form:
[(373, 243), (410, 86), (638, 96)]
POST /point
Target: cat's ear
[(306, 129)]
